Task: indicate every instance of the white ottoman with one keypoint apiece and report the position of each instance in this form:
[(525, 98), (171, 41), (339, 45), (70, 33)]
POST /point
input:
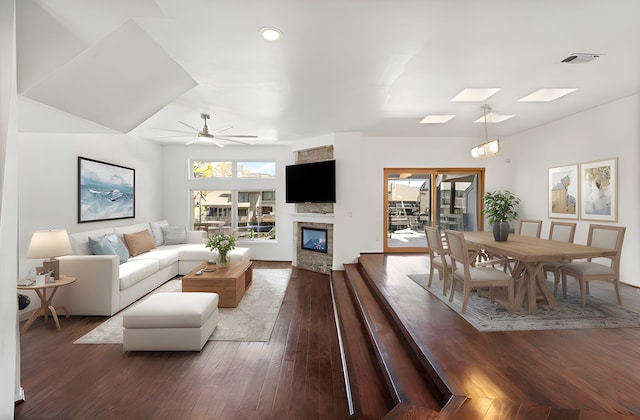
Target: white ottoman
[(171, 321)]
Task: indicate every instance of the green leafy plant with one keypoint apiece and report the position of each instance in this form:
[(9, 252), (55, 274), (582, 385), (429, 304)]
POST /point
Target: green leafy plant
[(221, 243), (500, 206)]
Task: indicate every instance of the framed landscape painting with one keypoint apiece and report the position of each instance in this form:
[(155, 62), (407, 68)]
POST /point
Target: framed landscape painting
[(599, 197), (563, 192), (105, 191)]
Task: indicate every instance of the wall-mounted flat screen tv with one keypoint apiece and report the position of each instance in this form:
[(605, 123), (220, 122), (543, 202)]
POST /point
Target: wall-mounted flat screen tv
[(314, 239), (313, 182)]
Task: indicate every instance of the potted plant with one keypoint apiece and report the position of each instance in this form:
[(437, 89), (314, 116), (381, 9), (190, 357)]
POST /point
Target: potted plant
[(223, 244), (500, 207)]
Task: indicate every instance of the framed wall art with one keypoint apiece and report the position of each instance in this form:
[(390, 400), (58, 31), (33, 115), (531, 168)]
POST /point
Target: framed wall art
[(599, 197), (105, 191), (563, 192)]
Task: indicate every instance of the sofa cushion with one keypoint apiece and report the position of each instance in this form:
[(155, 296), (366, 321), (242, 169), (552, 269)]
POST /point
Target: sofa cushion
[(121, 230), (165, 255), (174, 235), (135, 271), (198, 252), (139, 242), (156, 231), (80, 240)]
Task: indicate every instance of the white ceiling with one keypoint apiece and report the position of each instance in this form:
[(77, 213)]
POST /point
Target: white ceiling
[(371, 66)]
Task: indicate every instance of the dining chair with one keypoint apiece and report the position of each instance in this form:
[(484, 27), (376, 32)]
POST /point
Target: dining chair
[(530, 227), (562, 232), (438, 257), (473, 277), (602, 236)]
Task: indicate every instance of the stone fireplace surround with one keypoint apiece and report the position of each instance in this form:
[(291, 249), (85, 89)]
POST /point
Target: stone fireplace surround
[(313, 215)]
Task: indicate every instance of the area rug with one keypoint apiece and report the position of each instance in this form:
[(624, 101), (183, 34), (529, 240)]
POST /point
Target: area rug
[(252, 320), (487, 316)]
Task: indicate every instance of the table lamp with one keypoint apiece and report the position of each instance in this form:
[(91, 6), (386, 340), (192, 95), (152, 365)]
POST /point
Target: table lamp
[(49, 244)]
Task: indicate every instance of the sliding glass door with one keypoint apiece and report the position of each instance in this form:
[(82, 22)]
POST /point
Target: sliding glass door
[(419, 197)]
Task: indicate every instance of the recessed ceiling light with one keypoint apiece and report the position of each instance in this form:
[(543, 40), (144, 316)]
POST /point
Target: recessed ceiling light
[(436, 119), (270, 33), (492, 117), (546, 95), (474, 95)]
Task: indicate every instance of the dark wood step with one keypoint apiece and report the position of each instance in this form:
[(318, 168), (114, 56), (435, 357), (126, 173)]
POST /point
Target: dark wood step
[(409, 389)]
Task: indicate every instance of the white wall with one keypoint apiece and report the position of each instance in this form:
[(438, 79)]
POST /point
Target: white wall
[(607, 131), (48, 177), (177, 185), (10, 390)]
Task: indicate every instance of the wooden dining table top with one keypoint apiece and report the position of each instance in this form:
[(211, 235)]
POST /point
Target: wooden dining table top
[(530, 249)]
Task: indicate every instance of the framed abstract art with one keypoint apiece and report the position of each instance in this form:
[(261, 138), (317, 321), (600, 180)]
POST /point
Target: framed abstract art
[(563, 192), (599, 191), (105, 191)]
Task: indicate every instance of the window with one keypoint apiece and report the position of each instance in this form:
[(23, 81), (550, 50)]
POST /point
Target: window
[(256, 170), (203, 169), (250, 215), (256, 217), (248, 212)]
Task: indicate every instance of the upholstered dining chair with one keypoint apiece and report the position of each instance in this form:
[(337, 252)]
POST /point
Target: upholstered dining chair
[(563, 232), (472, 277), (602, 236), (530, 227), (438, 257)]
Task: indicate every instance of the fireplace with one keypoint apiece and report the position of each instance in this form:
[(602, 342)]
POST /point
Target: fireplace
[(314, 246)]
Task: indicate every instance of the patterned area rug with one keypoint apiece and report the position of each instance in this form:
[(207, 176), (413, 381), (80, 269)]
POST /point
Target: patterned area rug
[(487, 316), (252, 320)]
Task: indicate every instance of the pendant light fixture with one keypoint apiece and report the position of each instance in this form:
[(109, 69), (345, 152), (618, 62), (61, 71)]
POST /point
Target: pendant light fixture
[(488, 148)]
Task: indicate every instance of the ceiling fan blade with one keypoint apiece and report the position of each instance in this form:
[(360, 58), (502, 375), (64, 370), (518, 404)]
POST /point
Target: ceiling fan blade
[(239, 136), (184, 136), (222, 129), (197, 130), (192, 141), (174, 131)]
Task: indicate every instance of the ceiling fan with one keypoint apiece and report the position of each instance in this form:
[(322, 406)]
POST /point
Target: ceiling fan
[(205, 136)]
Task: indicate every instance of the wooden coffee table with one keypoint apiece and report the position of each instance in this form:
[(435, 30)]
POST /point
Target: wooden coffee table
[(229, 283)]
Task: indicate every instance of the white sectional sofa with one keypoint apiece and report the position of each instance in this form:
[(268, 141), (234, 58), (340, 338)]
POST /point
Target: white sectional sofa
[(105, 286)]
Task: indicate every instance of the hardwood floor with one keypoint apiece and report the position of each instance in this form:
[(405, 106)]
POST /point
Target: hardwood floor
[(592, 370), (297, 374)]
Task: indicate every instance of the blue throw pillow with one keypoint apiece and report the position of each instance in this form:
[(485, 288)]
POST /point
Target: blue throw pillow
[(119, 247), (99, 245)]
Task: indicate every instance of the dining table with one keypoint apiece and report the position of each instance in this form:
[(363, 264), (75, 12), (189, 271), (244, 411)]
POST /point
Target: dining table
[(530, 254)]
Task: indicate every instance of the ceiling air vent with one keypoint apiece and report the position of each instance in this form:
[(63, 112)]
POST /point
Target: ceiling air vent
[(579, 58)]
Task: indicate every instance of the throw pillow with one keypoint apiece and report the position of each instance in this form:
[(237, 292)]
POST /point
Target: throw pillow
[(156, 231), (118, 247), (100, 245), (174, 235), (139, 242)]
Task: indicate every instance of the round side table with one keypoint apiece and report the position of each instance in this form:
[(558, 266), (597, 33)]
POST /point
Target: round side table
[(46, 306)]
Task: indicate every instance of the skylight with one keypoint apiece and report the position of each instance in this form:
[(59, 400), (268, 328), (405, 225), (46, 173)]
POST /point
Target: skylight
[(436, 119), (474, 95), (546, 95)]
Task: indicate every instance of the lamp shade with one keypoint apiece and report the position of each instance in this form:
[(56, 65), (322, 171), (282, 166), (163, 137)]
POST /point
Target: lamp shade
[(49, 244)]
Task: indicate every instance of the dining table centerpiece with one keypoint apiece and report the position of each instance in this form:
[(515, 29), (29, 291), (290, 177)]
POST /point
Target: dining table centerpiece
[(500, 207), (223, 244)]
